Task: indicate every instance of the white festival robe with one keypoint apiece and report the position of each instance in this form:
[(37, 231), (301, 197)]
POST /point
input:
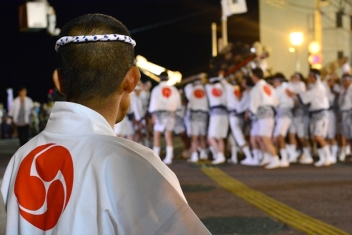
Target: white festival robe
[(262, 94), (96, 183), (164, 98), (15, 109)]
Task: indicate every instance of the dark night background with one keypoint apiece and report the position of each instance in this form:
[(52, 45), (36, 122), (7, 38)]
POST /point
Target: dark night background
[(181, 42)]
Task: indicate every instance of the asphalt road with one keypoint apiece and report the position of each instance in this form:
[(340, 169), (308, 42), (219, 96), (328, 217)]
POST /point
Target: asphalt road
[(236, 199)]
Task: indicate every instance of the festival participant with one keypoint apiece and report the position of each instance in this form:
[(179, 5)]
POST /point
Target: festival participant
[(283, 116), (77, 177), (20, 112), (218, 122), (345, 105), (145, 95), (233, 97), (263, 100), (300, 124), (164, 102), (198, 107), (180, 126), (242, 110), (332, 90), (124, 128), (138, 113), (318, 123)]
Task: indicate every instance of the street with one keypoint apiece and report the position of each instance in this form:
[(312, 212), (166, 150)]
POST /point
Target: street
[(236, 199)]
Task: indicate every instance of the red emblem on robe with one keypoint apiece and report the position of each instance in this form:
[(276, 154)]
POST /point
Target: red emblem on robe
[(199, 93), (44, 184), (267, 90), (166, 91), (216, 92)]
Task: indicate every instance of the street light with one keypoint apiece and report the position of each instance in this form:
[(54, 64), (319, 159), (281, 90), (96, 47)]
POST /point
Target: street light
[(296, 39)]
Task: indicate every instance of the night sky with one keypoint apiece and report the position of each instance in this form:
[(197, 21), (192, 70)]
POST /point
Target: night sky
[(175, 34)]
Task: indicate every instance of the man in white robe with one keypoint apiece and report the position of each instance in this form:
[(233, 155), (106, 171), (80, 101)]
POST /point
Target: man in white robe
[(164, 101), (318, 102), (77, 177), (20, 112), (300, 124), (233, 97), (283, 116), (218, 121), (198, 107), (263, 101), (345, 107)]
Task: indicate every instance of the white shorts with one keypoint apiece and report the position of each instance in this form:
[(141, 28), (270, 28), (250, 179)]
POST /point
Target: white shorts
[(281, 126), (319, 128), (300, 126), (124, 128), (332, 125), (198, 128), (164, 124), (218, 126), (236, 124), (263, 127)]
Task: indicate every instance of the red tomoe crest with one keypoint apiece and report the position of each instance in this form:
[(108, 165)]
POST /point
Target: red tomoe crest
[(166, 92), (237, 93), (267, 90), (199, 93), (216, 92), (43, 185)]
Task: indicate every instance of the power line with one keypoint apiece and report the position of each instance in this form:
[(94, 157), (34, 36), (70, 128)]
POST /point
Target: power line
[(152, 26)]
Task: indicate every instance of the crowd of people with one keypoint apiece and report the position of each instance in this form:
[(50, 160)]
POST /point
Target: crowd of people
[(24, 119), (272, 121)]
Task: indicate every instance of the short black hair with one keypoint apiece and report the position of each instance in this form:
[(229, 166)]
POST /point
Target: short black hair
[(249, 81), (21, 88), (298, 74), (279, 76), (316, 72), (346, 75), (258, 72), (94, 70)]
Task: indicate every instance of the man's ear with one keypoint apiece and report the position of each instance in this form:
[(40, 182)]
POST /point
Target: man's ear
[(57, 79), (131, 79)]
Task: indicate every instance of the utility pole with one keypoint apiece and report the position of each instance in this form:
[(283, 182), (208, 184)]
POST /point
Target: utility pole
[(214, 40), (318, 32), (224, 29)]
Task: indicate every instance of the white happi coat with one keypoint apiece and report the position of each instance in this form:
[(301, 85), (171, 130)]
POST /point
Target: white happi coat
[(77, 177), (15, 109), (262, 94), (233, 96), (243, 104), (285, 101), (197, 98), (316, 97), (216, 95), (164, 98)]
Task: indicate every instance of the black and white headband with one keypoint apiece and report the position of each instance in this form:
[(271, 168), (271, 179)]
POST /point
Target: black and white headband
[(93, 38)]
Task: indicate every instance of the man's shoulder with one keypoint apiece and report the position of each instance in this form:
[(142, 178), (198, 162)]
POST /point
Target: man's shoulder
[(113, 144)]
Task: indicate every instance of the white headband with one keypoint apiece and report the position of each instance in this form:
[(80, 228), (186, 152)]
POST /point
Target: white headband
[(93, 38)]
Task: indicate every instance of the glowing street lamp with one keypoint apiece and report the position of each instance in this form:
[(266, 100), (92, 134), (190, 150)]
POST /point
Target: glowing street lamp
[(296, 39), (153, 70)]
